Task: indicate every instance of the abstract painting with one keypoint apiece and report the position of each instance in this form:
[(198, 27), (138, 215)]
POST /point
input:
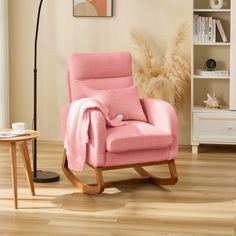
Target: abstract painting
[(92, 7)]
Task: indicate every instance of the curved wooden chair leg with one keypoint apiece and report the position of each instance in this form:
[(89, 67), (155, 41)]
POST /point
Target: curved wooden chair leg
[(173, 171), (160, 181), (85, 188), (141, 171)]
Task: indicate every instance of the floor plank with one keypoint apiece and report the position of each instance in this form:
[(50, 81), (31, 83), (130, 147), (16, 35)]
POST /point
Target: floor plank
[(202, 203)]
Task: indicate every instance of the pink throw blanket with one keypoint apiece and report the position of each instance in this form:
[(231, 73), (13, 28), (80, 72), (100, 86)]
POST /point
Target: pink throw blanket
[(76, 137)]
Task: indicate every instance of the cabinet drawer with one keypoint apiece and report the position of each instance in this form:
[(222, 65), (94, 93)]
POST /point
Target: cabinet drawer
[(214, 127)]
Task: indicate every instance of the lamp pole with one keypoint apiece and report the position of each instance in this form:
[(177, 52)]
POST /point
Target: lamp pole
[(39, 175)]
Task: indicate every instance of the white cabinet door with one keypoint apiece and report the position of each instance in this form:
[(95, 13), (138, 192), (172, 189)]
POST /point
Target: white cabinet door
[(214, 127)]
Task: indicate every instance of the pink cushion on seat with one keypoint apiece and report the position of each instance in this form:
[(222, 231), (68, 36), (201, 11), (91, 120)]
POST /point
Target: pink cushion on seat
[(136, 136), (124, 101)]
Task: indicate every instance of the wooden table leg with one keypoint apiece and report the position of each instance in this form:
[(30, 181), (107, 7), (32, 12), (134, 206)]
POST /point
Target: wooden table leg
[(26, 160), (14, 173)]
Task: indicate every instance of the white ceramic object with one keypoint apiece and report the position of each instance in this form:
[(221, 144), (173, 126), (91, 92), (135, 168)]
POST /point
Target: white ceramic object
[(212, 101), (19, 127), (216, 4)]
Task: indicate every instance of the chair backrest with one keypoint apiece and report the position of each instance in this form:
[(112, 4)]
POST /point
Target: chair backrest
[(98, 70)]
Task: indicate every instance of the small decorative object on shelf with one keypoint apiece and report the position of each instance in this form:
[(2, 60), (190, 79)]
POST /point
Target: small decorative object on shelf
[(211, 64), (212, 102), (216, 4)]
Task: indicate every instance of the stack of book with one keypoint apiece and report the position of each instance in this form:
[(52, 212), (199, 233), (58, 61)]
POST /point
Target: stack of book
[(204, 29), (213, 73)]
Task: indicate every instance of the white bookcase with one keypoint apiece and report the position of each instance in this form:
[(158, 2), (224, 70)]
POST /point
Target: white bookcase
[(214, 126)]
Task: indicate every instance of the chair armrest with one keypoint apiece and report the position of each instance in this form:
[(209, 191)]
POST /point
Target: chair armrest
[(97, 139), (97, 135), (64, 111), (161, 114)]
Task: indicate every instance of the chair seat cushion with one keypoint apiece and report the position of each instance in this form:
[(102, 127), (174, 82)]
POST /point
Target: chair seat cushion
[(136, 135)]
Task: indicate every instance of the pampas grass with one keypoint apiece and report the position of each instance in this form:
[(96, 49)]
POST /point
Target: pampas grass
[(164, 75)]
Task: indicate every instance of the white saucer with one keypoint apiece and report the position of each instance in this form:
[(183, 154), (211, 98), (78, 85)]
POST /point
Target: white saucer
[(12, 133), (25, 132)]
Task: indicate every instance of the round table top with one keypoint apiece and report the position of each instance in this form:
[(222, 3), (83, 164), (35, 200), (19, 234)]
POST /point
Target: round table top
[(28, 135)]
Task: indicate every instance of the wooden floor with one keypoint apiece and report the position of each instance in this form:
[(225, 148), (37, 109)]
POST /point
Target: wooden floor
[(202, 203)]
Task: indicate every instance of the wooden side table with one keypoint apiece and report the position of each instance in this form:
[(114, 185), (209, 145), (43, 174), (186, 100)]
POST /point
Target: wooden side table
[(22, 141)]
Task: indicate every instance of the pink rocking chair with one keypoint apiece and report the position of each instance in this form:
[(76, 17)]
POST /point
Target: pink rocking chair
[(153, 142)]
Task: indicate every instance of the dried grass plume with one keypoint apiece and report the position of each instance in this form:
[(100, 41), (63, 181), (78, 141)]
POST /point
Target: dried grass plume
[(162, 74)]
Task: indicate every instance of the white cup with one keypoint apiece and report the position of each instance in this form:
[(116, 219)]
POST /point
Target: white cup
[(19, 127)]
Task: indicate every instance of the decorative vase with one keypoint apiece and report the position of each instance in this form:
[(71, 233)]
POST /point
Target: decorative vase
[(216, 4)]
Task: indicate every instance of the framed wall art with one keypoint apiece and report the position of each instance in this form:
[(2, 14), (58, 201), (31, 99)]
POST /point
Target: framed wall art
[(92, 8)]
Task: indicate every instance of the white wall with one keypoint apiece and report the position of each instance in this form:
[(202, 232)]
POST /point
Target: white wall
[(4, 80), (61, 34)]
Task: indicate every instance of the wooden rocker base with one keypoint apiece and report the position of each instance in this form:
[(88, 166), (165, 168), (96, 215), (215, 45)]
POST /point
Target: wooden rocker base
[(100, 185)]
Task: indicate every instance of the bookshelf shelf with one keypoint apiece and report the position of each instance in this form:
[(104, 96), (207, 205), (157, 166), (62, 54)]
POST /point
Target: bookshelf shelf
[(213, 44), (212, 10), (214, 37), (212, 110), (210, 77)]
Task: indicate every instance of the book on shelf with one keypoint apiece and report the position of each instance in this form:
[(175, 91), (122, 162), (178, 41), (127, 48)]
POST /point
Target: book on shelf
[(212, 73), (221, 30), (213, 30), (204, 29)]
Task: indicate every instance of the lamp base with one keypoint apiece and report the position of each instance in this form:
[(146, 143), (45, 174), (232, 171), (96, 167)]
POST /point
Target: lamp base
[(45, 177)]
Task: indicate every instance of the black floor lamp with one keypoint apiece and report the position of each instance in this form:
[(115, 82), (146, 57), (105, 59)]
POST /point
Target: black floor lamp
[(39, 175)]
